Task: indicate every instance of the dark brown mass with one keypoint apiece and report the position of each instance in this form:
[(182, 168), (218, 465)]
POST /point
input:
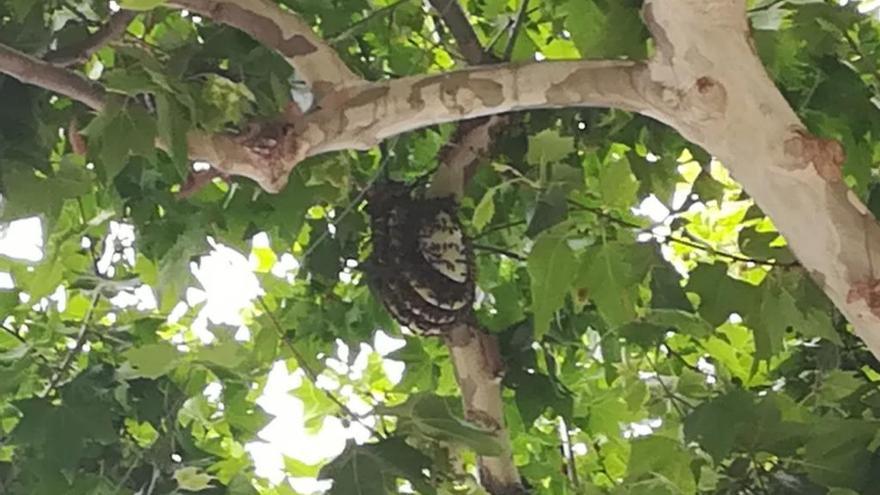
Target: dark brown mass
[(421, 266)]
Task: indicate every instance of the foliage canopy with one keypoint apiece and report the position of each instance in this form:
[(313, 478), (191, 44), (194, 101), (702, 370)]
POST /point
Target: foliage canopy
[(646, 308)]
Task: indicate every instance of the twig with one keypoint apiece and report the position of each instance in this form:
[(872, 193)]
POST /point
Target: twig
[(31, 70), (14, 334), (501, 251), (734, 257), (113, 29), (198, 179), (463, 32), (570, 462), (496, 228), (354, 28), (515, 29), (310, 373), (669, 393), (681, 358), (678, 240), (71, 354), (354, 202)]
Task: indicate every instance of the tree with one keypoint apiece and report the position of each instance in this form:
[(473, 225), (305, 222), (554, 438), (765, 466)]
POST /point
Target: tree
[(671, 203)]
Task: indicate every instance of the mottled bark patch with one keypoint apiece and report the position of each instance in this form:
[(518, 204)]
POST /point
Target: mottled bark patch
[(490, 93), (367, 97), (497, 487), (483, 419), (825, 155), (275, 149), (867, 290), (264, 29), (569, 90)]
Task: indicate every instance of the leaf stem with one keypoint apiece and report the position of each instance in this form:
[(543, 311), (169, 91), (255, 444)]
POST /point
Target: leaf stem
[(80, 342), (13, 333), (501, 251), (515, 29)]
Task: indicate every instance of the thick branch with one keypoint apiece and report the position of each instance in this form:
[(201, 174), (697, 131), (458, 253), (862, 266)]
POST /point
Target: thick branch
[(473, 138), (31, 70), (474, 353), (478, 370), (314, 60), (372, 112), (78, 52), (738, 115)]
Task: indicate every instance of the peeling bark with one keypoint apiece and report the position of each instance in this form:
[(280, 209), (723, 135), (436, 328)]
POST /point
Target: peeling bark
[(478, 369), (794, 177)]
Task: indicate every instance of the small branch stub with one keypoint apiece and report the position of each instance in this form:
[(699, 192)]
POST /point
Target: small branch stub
[(825, 155), (867, 290)]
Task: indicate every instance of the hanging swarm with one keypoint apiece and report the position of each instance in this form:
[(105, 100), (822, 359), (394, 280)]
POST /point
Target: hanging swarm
[(422, 265)]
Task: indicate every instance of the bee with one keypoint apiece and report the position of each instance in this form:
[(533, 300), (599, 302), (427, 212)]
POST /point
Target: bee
[(422, 264)]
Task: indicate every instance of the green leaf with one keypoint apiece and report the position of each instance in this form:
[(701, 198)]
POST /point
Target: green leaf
[(141, 4), (356, 472), (839, 384), (551, 266), (611, 30), (662, 465), (227, 354), (174, 271), (26, 193), (430, 416), (172, 128), (73, 178), (612, 273), (681, 321), (373, 468), (778, 310), (666, 289), (837, 453), (704, 425), (707, 187), (192, 479), (721, 295), (316, 405), (617, 184), (548, 146), (536, 392), (153, 360), (485, 210), (551, 208)]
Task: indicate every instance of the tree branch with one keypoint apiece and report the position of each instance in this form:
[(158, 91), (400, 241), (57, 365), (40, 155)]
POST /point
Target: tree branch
[(735, 112), (31, 70), (107, 33), (473, 138), (77, 347), (478, 367), (475, 355), (372, 112), (314, 60), (463, 32)]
